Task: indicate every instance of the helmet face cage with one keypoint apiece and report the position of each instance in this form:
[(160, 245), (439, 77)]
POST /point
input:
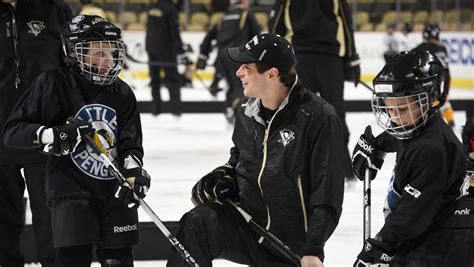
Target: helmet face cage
[(100, 61), (401, 116)]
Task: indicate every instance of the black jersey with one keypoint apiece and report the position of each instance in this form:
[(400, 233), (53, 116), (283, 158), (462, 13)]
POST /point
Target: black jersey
[(322, 26), (58, 94), (426, 181)]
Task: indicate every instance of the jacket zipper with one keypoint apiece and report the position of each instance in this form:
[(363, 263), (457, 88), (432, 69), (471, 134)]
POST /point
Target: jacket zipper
[(259, 180), (303, 206)]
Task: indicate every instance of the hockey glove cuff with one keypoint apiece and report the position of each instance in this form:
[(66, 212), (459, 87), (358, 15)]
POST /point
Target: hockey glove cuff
[(370, 152), (374, 252), (62, 140), (352, 69)]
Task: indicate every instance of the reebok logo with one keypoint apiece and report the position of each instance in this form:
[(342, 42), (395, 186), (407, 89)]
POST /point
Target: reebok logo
[(465, 211), (126, 228), (365, 146), (386, 258)]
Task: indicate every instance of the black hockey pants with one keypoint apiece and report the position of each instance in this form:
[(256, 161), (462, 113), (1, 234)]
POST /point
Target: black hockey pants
[(211, 231)]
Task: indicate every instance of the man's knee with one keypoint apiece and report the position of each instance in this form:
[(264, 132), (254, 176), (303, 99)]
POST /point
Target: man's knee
[(118, 257)]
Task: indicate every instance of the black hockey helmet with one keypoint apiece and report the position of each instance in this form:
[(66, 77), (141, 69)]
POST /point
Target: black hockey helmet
[(415, 77), (431, 31), (93, 47)]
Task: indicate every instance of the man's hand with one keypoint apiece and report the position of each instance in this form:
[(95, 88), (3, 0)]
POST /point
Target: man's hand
[(219, 184), (374, 252), (67, 137), (311, 261), (370, 152), (136, 186), (352, 69)]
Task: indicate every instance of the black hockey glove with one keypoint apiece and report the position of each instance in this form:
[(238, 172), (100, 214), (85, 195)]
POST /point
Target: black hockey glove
[(220, 184), (136, 187), (201, 62), (374, 252), (68, 136), (183, 59), (370, 152), (352, 69)]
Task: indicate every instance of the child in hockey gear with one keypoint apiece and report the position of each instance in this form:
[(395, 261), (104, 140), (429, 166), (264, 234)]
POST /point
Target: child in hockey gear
[(284, 169), (433, 44), (62, 106), (421, 226), (236, 27)]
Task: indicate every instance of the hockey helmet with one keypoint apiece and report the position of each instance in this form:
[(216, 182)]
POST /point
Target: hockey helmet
[(93, 47), (431, 31), (405, 91)]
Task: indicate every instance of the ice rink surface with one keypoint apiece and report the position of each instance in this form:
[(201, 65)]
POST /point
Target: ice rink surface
[(179, 151)]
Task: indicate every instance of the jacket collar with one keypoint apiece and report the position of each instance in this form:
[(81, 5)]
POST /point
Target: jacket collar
[(252, 106)]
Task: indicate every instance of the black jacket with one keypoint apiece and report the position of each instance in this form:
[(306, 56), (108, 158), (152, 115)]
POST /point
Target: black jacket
[(289, 172), (162, 31), (38, 25), (236, 28), (58, 94), (429, 171), (315, 26)]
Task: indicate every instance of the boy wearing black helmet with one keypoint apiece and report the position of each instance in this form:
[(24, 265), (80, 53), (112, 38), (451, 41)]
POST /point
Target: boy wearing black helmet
[(425, 223), (59, 109)]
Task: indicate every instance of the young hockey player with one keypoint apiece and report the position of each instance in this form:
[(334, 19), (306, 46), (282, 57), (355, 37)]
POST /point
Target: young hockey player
[(284, 168), (424, 222), (57, 111)]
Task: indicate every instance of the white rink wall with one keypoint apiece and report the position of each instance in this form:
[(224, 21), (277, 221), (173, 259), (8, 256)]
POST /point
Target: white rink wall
[(370, 46)]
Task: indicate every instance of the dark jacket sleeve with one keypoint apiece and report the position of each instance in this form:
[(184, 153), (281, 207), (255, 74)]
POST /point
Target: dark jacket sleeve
[(174, 28), (414, 214), (206, 46), (276, 23), (253, 26), (30, 114), (346, 17), (327, 185), (130, 130)]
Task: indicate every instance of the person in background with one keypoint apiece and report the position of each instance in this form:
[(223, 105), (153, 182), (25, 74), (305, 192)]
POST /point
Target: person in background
[(391, 42), (163, 45), (30, 43), (236, 27), (322, 35), (432, 43)]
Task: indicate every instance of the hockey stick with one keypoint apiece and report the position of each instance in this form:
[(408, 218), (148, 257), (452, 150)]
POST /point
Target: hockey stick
[(367, 205), (273, 240), (202, 81), (174, 241), (367, 86)]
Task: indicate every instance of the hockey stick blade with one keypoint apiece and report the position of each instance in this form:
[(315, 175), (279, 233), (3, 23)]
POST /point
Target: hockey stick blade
[(273, 240), (173, 240)]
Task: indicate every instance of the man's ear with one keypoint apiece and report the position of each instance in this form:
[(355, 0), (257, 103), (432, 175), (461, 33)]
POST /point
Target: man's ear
[(273, 73)]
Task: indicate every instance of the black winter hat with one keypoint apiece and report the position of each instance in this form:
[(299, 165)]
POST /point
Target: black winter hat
[(267, 49)]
